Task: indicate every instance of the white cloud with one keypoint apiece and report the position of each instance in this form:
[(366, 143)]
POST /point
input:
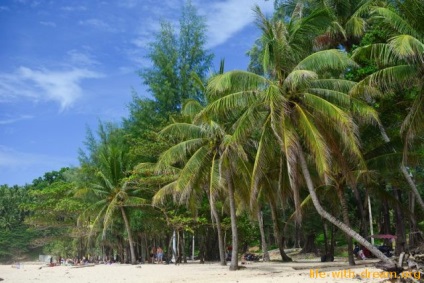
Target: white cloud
[(226, 18), (82, 58), (15, 119), (60, 86)]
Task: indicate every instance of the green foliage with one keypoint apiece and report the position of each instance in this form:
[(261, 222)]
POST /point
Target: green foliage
[(249, 235), (248, 133), (140, 130), (15, 244), (15, 237), (53, 211)]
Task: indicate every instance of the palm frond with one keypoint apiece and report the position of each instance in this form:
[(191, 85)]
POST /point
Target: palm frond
[(334, 84), (389, 77), (356, 26), (335, 60), (408, 48), (299, 79), (381, 53), (394, 20), (235, 81), (313, 138), (182, 131), (133, 201), (414, 121), (226, 105), (195, 169), (248, 122), (191, 108), (162, 194), (179, 152)]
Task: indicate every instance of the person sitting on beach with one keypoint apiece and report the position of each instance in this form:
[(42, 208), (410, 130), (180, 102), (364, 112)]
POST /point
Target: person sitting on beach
[(358, 252), (159, 254)]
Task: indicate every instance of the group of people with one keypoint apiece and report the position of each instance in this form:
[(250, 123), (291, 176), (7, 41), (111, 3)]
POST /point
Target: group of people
[(361, 252), (156, 254)]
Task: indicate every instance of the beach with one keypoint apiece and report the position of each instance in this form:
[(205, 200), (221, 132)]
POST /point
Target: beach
[(292, 272)]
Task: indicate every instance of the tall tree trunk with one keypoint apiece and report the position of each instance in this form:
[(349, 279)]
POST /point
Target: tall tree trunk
[(310, 246), (183, 247), (130, 239), (345, 214), (234, 254), (218, 225), (415, 235), (332, 239), (400, 224), (362, 212), (385, 227), (325, 232), (263, 239), (297, 235), (323, 213), (202, 247), (277, 234), (404, 171)]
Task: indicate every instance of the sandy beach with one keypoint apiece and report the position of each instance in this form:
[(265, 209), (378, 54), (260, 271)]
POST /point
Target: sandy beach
[(295, 272)]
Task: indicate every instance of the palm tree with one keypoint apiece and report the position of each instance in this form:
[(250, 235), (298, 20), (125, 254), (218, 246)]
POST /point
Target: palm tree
[(348, 19), (196, 150), (401, 58), (107, 187), (211, 157), (306, 107)]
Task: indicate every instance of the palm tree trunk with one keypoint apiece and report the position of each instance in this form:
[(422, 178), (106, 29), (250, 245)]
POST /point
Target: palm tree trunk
[(362, 212), (323, 213), (215, 214), (400, 223), (263, 239), (277, 234), (217, 218), (415, 236), (234, 254), (402, 168), (130, 239), (345, 214)]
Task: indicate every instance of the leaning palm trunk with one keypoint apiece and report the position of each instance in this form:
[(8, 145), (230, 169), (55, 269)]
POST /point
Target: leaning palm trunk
[(323, 213), (404, 171), (130, 239)]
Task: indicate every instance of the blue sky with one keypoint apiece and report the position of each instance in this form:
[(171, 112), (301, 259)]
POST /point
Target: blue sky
[(65, 65)]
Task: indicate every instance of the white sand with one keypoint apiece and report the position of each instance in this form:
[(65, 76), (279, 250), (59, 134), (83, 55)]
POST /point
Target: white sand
[(297, 272)]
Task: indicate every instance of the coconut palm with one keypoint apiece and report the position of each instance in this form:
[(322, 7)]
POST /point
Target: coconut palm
[(107, 187), (198, 155), (402, 61), (209, 156), (306, 104), (348, 19)]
